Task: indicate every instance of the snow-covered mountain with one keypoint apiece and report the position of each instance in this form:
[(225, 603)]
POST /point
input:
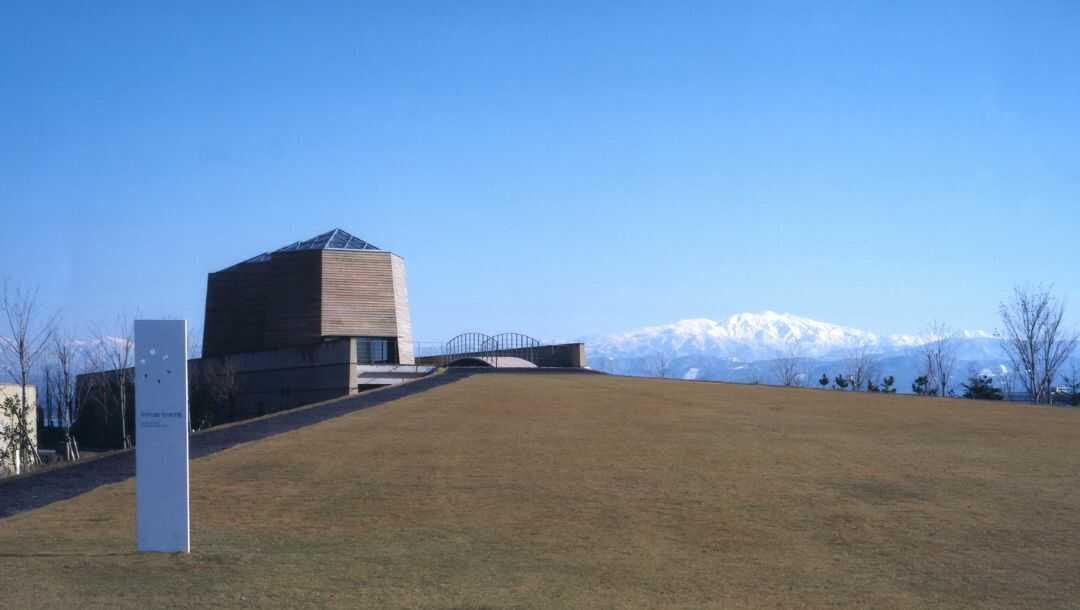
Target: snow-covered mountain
[(745, 345), (754, 336)]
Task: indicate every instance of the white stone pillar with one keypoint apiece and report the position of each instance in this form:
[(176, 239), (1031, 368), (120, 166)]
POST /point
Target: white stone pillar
[(162, 425)]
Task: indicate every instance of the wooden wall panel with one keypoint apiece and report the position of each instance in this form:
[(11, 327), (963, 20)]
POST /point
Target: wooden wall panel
[(235, 318), (255, 307), (293, 310), (358, 294), (297, 298)]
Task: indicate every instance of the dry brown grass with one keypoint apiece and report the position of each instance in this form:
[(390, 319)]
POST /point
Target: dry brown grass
[(591, 491)]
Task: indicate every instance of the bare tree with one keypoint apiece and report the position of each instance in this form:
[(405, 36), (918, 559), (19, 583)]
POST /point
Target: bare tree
[(114, 356), (16, 441), (214, 389), (861, 365), (194, 341), (1035, 339), (24, 347), (939, 358), (61, 386), (661, 365), (50, 409), (789, 362), (1072, 384)]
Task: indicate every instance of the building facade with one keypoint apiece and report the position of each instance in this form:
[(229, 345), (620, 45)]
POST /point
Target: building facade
[(7, 422), (330, 287), (315, 320)]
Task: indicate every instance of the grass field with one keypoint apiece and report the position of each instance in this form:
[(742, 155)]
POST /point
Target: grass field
[(593, 491)]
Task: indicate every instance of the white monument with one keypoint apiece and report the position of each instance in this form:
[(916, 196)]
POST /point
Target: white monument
[(161, 436)]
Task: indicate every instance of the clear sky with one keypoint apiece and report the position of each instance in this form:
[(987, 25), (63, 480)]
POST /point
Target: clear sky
[(554, 169)]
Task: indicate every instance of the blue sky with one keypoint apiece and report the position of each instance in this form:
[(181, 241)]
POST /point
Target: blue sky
[(554, 169)]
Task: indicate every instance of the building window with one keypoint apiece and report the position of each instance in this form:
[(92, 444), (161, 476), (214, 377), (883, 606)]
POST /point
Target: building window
[(376, 350)]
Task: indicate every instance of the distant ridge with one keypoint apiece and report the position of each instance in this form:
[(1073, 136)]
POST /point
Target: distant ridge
[(745, 345), (754, 336)]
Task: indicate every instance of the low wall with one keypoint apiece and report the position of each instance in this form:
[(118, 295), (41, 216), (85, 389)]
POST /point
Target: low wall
[(227, 388), (563, 355)]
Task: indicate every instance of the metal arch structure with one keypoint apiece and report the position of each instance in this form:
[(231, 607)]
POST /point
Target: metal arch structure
[(465, 344), (488, 348), (511, 344)]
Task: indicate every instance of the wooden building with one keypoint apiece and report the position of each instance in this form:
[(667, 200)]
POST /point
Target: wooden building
[(333, 286)]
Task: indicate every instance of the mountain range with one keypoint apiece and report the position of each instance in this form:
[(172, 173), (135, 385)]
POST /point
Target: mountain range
[(746, 346)]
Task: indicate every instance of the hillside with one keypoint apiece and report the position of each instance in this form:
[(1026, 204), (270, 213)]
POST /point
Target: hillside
[(596, 491)]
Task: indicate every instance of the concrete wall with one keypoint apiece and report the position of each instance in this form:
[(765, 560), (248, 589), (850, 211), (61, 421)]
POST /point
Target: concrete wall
[(375, 375), (565, 355), (234, 387), (281, 379), (401, 311)]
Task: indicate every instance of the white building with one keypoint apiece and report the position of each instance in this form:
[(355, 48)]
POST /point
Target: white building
[(14, 391)]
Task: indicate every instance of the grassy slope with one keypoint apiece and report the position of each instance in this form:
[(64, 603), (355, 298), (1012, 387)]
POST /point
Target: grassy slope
[(594, 491)]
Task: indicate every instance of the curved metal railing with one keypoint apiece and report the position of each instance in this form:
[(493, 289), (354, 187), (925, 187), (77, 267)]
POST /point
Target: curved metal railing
[(489, 347), (514, 345)]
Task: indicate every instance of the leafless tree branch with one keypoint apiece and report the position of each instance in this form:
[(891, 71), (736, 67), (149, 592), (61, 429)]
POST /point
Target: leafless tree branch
[(24, 347), (939, 358), (661, 365), (861, 365), (114, 355), (789, 363), (1035, 339)]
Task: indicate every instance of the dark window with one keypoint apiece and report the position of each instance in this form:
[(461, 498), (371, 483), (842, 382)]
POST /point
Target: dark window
[(376, 350)]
